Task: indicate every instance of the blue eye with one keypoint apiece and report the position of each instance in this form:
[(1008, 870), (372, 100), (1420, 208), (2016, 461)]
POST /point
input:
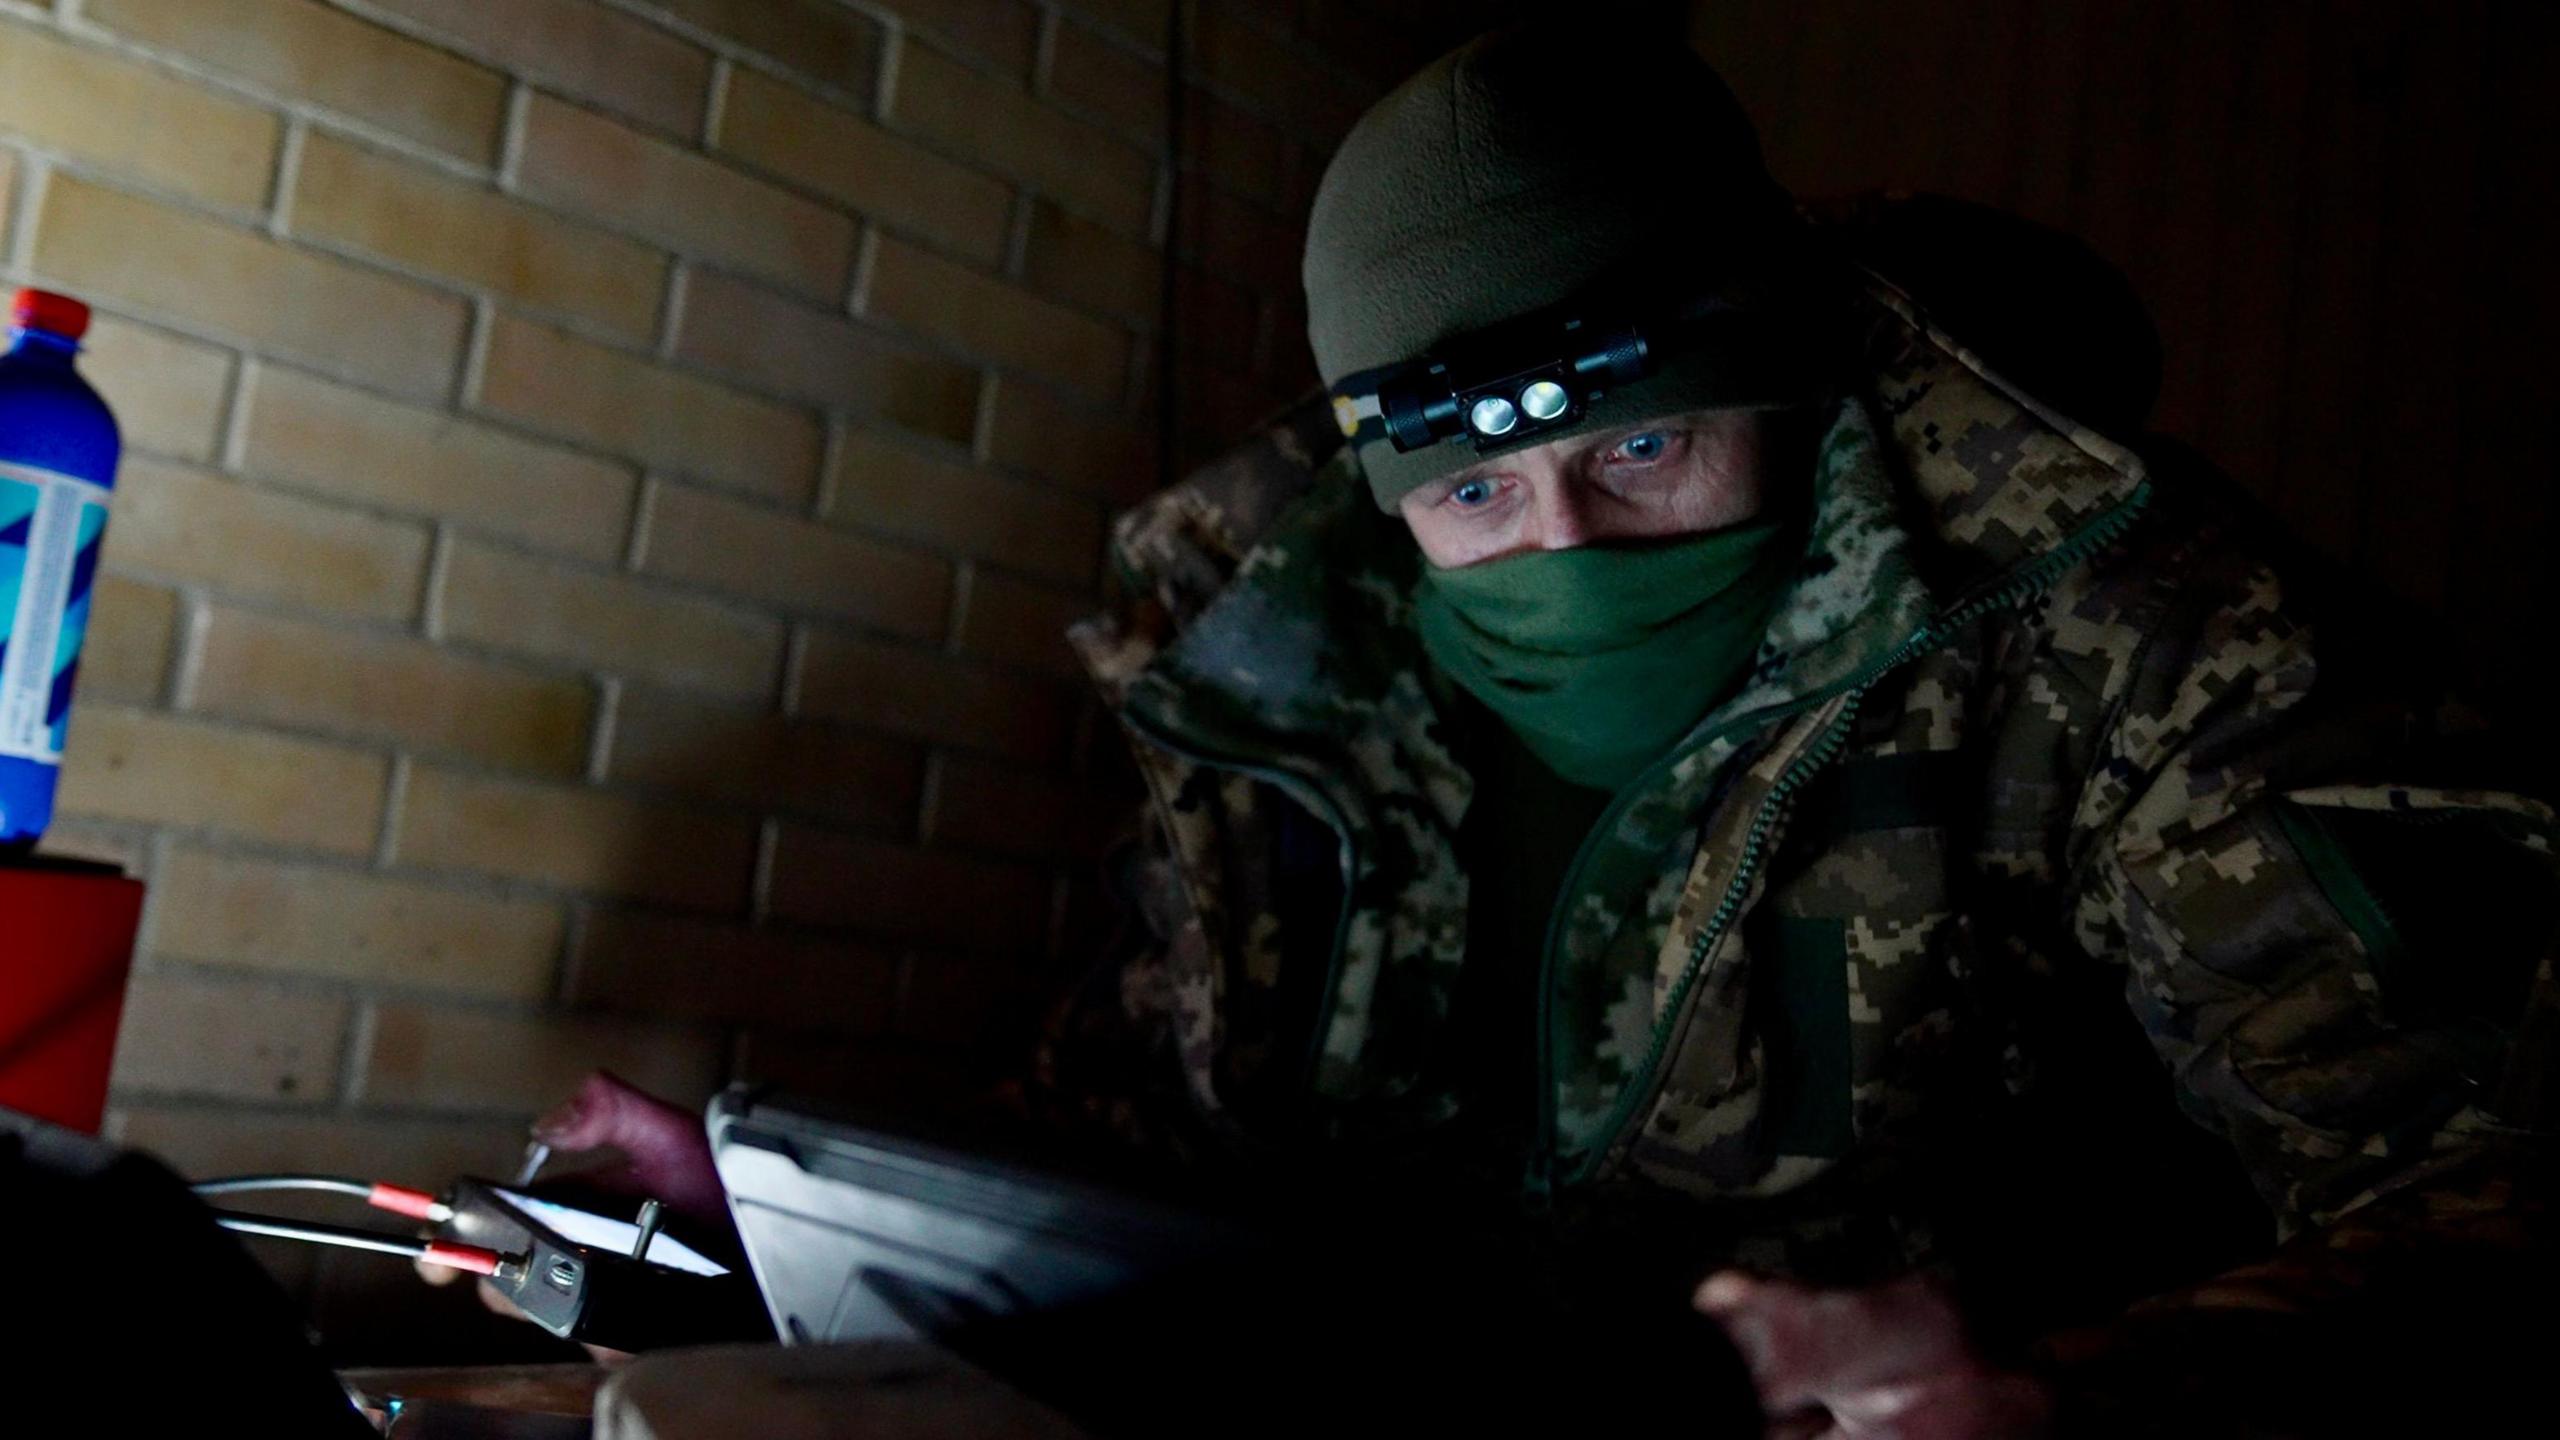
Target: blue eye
[(1644, 447), (1471, 493)]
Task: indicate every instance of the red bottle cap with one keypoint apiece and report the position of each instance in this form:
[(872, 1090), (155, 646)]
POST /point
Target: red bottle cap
[(53, 314)]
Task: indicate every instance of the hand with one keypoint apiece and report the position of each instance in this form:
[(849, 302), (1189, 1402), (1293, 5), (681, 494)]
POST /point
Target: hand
[(1888, 1363), (667, 1156)]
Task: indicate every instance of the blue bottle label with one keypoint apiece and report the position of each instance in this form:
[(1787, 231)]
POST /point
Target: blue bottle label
[(50, 526)]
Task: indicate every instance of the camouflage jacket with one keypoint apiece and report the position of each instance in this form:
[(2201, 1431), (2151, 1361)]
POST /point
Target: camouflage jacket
[(2051, 752)]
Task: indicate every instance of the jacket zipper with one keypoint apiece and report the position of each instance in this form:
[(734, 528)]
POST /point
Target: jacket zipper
[(2019, 585)]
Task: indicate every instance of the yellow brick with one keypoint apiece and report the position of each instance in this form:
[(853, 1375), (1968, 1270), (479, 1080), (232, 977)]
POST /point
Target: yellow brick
[(1243, 154), (368, 201), (1143, 21), (1084, 264), (193, 1035), (787, 348), (1013, 811), (682, 200), (884, 485), (899, 891), (470, 1059), (513, 602), (999, 31), (1372, 43), (122, 846), (330, 58), (986, 316), (1219, 407), (579, 48), (682, 967), (799, 565), (667, 743), (971, 1001), (133, 765), (188, 524), (143, 121), (774, 126), (1108, 82), (818, 38), (361, 323), (1276, 18), (131, 629), (1239, 240), (933, 697), (578, 839), (973, 116), (314, 433), (387, 687), (201, 1143), (1217, 325), (543, 378), (167, 392), (1276, 77), (1022, 623), (347, 925), (1096, 454)]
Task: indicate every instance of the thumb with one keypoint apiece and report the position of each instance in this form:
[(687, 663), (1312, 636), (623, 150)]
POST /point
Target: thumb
[(669, 1156), (605, 1110)]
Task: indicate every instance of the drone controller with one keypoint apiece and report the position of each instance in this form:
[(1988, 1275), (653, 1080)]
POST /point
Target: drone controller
[(601, 1279)]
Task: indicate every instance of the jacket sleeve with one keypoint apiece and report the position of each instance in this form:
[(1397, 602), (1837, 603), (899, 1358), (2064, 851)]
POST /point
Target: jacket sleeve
[(2337, 933), (1146, 1051), (1107, 1073)]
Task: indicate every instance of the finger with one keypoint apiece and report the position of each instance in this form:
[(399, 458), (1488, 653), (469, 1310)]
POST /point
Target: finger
[(496, 1300), (1951, 1404), (434, 1274), (669, 1156), (1767, 1320), (1805, 1345), (600, 1112)]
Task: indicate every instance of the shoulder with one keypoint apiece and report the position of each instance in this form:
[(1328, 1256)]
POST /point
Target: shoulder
[(1183, 544)]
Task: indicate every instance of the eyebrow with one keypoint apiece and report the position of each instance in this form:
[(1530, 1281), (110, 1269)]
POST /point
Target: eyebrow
[(1584, 445)]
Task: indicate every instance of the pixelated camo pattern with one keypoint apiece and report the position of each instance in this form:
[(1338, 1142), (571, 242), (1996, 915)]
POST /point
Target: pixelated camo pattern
[(1762, 979)]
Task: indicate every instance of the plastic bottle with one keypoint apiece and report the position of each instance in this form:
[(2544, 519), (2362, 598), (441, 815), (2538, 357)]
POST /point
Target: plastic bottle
[(58, 450)]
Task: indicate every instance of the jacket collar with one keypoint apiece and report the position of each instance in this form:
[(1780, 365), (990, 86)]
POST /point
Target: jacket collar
[(1290, 604), (1273, 631)]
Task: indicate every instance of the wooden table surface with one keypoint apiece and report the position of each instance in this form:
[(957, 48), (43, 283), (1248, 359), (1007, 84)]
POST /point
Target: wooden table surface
[(490, 1402)]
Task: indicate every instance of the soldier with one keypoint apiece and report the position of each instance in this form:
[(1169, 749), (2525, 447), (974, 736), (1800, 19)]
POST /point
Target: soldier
[(1718, 740), (1695, 735)]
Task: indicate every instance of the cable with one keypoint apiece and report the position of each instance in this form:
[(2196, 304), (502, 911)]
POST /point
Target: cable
[(398, 1199), (469, 1258)]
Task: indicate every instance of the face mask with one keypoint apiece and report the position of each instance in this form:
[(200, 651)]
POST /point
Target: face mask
[(1599, 657)]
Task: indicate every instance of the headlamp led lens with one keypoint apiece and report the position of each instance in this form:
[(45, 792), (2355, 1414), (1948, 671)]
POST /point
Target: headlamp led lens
[(1544, 400), (1493, 415)]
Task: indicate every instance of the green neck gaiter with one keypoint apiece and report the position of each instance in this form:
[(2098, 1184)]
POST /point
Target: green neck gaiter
[(1599, 657)]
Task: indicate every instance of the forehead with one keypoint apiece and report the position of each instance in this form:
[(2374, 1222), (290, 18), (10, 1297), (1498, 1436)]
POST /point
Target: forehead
[(1566, 448)]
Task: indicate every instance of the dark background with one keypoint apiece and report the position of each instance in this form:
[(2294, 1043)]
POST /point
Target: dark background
[(2340, 214)]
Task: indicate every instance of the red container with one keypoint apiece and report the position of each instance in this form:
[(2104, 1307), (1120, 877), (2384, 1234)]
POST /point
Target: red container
[(66, 943)]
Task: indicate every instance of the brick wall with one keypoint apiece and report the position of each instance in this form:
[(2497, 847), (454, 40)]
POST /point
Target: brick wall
[(604, 480)]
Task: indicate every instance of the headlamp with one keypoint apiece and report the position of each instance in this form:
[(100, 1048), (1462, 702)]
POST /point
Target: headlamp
[(1540, 372), (1501, 384)]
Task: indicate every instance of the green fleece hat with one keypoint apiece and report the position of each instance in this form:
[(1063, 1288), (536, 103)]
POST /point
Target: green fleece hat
[(1532, 167)]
